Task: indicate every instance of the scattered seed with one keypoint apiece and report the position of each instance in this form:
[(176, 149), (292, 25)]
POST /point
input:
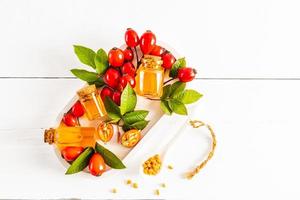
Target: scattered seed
[(163, 185), (135, 185), (128, 182), (156, 192), (170, 167), (114, 190)]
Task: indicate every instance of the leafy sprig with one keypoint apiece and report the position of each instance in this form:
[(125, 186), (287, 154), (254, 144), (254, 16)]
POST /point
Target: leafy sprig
[(175, 96), (97, 60), (125, 115)]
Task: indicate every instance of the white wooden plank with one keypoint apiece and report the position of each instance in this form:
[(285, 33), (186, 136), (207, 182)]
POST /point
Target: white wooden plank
[(257, 38), (256, 123)]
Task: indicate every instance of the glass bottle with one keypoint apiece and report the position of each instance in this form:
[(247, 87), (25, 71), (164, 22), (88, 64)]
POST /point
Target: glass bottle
[(150, 77), (91, 101), (71, 136)]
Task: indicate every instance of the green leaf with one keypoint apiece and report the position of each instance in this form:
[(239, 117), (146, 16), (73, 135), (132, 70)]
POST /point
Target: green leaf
[(177, 88), (101, 61), (165, 107), (109, 157), (180, 63), (99, 82), (85, 75), (128, 100), (103, 56), (85, 55), (100, 66), (112, 109), (189, 96), (166, 91), (81, 161), (140, 125), (113, 121), (126, 127), (135, 116), (177, 106)]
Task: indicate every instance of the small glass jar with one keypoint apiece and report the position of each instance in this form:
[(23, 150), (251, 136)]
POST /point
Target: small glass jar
[(150, 77), (92, 102)]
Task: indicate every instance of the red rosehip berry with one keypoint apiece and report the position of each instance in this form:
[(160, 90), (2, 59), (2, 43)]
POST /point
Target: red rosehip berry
[(69, 119), (147, 42), (186, 74), (111, 77), (128, 54), (127, 79), (168, 60), (117, 97), (77, 109), (97, 165), (70, 153), (128, 68), (131, 38), (115, 57), (106, 92), (157, 50)]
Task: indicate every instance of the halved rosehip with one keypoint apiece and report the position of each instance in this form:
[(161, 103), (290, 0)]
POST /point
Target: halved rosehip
[(69, 119), (128, 54), (117, 97), (106, 92), (115, 57), (128, 68), (168, 60), (157, 50), (111, 77), (127, 79), (77, 109), (70, 153)]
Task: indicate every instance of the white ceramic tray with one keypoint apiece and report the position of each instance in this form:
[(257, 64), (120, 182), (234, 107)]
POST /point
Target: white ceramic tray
[(166, 126)]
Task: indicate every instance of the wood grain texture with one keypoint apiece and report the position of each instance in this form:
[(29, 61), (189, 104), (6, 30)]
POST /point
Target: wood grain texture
[(256, 123), (222, 39)]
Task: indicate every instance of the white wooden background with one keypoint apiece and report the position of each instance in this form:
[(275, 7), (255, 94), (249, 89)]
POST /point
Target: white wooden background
[(247, 56)]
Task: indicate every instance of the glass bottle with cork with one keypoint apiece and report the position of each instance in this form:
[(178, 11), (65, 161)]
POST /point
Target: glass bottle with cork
[(150, 77), (71, 136), (92, 103)]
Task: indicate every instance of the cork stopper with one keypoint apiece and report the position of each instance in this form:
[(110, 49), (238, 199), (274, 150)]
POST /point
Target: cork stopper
[(152, 61), (49, 136), (152, 57), (86, 90)]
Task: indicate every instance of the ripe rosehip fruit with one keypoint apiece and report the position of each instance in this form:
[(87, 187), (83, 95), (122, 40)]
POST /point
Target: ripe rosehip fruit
[(117, 97), (168, 60), (157, 50), (131, 38), (186, 74), (115, 57), (127, 79), (128, 54), (69, 119), (77, 109), (111, 77), (97, 165), (106, 92), (71, 153), (147, 42), (128, 68)]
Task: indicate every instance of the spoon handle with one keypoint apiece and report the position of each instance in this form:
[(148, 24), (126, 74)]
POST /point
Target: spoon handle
[(174, 139)]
